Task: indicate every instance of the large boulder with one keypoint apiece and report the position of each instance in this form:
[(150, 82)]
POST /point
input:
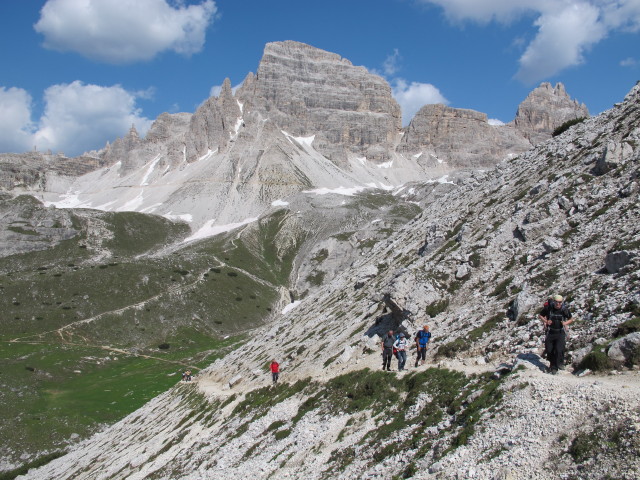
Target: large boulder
[(626, 349), (614, 261)]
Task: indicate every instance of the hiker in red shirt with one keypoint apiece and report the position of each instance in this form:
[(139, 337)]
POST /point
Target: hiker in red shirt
[(275, 371)]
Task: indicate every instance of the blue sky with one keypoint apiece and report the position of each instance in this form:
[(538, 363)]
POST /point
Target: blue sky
[(78, 73)]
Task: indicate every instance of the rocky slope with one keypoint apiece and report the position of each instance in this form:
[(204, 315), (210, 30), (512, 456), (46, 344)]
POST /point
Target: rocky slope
[(476, 264)]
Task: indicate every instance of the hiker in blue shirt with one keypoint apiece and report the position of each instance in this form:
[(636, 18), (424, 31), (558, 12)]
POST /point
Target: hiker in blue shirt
[(422, 340)]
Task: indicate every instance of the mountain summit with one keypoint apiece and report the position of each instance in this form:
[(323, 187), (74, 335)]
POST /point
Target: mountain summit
[(308, 119)]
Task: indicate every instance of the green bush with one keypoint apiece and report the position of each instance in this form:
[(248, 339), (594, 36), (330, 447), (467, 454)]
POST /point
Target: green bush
[(450, 349), (437, 307), (566, 125), (596, 360), (630, 326), (276, 425), (281, 434), (583, 446)]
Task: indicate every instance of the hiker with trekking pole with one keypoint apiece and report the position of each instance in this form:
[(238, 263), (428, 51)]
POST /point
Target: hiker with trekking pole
[(555, 316)]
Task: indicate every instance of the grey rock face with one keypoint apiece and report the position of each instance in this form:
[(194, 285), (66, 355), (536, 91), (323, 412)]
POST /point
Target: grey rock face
[(625, 348), (26, 226), (544, 110), (613, 156), (460, 137), (214, 124), (614, 261), (307, 91)]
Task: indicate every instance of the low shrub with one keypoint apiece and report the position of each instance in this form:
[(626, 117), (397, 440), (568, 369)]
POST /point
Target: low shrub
[(630, 326), (566, 125), (596, 360)]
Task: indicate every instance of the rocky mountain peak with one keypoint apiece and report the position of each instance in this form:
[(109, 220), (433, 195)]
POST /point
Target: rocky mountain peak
[(545, 109), (460, 137), (307, 91)]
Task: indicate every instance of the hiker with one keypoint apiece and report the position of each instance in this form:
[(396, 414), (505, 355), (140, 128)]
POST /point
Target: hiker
[(422, 340), (401, 348), (275, 371), (187, 375), (387, 350), (184, 376), (555, 316)]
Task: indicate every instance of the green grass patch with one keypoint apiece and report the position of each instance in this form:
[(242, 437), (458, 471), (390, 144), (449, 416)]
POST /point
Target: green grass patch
[(630, 326), (437, 307)]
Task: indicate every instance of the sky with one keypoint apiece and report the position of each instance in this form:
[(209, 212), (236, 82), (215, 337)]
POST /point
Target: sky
[(78, 73)]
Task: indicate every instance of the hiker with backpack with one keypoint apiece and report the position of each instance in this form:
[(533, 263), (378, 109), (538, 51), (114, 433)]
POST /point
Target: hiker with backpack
[(400, 345), (555, 316), (422, 340), (387, 350)]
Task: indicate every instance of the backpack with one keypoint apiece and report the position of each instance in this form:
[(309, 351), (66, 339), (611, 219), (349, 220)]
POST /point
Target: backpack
[(556, 315), (421, 335)]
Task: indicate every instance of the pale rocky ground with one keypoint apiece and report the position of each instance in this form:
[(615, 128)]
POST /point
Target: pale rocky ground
[(562, 217)]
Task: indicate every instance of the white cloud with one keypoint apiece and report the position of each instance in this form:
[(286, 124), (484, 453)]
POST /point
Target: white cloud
[(77, 118), (390, 64), (566, 29), (124, 31), (15, 120), (413, 96), (629, 62), (561, 41), (495, 122)]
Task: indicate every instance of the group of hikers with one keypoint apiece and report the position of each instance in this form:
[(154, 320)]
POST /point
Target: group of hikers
[(397, 345), (555, 317)]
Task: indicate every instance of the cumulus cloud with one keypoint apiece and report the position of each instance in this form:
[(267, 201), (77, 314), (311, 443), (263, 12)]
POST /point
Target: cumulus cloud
[(124, 31), (566, 29), (76, 118), (561, 42), (413, 96), (495, 122), (15, 120)]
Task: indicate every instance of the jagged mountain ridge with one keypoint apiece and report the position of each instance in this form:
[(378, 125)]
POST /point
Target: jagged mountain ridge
[(307, 119), (562, 217)]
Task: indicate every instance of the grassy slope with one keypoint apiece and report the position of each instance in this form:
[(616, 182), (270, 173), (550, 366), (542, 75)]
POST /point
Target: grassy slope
[(190, 299)]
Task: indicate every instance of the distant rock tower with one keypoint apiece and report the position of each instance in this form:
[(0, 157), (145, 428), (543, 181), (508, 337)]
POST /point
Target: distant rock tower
[(544, 110)]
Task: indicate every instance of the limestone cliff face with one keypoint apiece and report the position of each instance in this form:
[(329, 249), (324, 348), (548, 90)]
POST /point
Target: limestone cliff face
[(460, 137), (307, 91), (214, 124), (545, 109)]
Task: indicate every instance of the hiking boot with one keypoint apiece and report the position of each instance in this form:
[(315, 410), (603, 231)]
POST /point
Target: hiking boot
[(554, 371)]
